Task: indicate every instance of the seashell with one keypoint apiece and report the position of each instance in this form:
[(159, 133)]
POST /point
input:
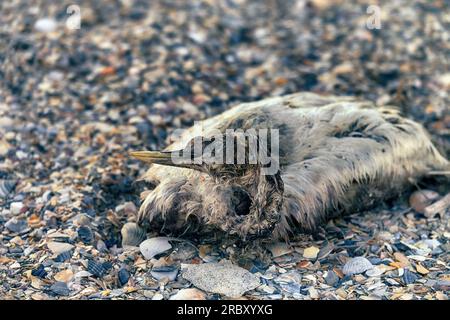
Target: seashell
[(311, 252), (420, 199), (63, 256), (154, 246), (331, 278), (7, 187), (96, 268), (162, 272), (85, 234), (132, 234), (189, 294), (183, 252), (123, 275), (409, 277), (59, 247), (64, 276), (16, 225), (375, 272), (325, 251), (357, 265), (39, 272), (60, 288)]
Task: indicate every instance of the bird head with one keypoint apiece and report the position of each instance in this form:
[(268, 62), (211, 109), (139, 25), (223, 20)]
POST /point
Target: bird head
[(230, 181)]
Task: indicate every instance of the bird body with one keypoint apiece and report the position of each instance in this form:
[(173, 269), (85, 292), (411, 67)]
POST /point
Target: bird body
[(335, 155)]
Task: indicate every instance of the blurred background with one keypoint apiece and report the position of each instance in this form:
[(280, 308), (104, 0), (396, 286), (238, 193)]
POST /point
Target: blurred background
[(75, 97)]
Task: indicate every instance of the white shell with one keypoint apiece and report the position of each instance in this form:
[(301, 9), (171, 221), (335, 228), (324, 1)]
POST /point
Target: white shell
[(154, 246)]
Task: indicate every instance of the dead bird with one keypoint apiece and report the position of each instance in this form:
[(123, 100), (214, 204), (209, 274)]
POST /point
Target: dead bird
[(335, 155)]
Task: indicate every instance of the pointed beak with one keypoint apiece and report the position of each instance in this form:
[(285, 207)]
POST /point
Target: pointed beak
[(164, 158), (157, 157)]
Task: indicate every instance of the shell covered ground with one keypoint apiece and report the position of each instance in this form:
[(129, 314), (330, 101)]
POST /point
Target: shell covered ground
[(74, 101)]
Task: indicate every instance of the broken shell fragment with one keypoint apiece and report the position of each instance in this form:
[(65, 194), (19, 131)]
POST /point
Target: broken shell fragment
[(357, 265), (154, 246), (6, 187)]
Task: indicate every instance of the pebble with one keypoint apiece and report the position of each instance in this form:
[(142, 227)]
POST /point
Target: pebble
[(189, 294), (422, 270), (154, 246), (81, 220), (15, 225), (356, 265), (223, 278)]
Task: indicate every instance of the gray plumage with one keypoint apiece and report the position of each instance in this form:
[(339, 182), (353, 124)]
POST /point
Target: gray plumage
[(337, 155)]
